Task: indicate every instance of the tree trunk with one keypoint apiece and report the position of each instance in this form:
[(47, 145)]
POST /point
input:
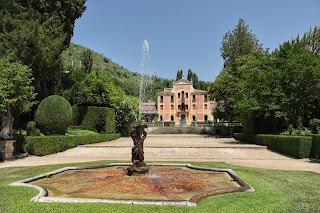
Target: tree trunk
[(6, 129)]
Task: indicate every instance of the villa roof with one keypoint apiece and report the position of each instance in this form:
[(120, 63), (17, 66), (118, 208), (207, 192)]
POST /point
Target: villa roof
[(198, 91), (182, 82)]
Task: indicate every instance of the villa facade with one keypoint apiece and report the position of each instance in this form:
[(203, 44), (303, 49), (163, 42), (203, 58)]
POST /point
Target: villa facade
[(183, 104)]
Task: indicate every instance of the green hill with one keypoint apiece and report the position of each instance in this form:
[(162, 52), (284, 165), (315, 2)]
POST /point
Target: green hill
[(130, 80)]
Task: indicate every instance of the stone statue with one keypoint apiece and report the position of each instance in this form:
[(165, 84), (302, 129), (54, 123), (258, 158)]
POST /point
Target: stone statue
[(138, 136), (6, 130)]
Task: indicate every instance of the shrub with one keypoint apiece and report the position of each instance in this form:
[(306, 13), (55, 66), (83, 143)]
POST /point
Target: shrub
[(53, 115), (315, 149), (314, 125), (32, 129), (169, 123), (301, 131), (98, 119), (296, 146), (46, 145)]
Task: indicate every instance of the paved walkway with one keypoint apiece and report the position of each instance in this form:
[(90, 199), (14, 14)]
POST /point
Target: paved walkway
[(187, 148)]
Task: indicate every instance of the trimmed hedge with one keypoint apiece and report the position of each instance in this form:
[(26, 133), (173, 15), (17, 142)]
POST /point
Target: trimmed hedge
[(53, 115), (296, 146), (98, 119), (315, 149), (169, 123), (46, 145)]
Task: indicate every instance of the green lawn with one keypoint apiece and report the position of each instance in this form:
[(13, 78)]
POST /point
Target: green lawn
[(276, 191)]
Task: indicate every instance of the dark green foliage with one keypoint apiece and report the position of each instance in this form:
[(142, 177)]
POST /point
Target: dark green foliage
[(35, 33), (179, 75), (241, 41), (53, 115), (169, 123), (296, 146), (190, 75), (194, 78), (32, 129), (288, 88), (46, 145), (87, 60), (315, 149), (314, 125), (98, 119)]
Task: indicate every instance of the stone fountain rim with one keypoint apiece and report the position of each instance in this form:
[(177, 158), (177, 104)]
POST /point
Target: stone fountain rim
[(43, 193)]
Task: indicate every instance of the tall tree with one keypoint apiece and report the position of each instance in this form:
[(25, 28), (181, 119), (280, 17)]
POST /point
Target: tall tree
[(195, 81), (190, 75), (16, 93), (35, 33), (241, 41), (311, 40), (87, 60), (179, 75), (288, 86), (235, 44)]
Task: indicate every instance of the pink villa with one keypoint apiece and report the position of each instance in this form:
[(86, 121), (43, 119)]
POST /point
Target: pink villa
[(183, 104)]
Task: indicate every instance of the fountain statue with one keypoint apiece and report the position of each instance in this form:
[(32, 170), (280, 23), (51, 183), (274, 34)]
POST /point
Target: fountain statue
[(138, 136)]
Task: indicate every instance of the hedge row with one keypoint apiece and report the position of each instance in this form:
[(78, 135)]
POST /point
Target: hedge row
[(98, 119), (315, 149), (46, 145), (169, 123), (296, 146)]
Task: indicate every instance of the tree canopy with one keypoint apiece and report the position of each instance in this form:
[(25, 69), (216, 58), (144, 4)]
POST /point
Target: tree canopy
[(237, 43), (35, 33), (16, 92), (281, 87)]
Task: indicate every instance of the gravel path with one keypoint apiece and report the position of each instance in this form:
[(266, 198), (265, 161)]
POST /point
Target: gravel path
[(187, 148)]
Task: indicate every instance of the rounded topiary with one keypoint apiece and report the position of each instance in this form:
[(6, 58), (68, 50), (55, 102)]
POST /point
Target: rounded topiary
[(53, 115)]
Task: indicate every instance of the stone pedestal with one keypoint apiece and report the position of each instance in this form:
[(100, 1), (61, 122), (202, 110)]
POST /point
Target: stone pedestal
[(6, 149), (137, 171)]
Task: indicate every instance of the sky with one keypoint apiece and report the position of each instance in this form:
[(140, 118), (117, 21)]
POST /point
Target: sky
[(186, 34)]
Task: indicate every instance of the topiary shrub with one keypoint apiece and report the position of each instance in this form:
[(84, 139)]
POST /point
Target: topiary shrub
[(53, 116), (32, 129)]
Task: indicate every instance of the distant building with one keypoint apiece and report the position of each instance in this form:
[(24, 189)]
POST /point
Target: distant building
[(149, 111), (183, 104)]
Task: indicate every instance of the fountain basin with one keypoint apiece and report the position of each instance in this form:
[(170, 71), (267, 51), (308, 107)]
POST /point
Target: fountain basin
[(165, 184)]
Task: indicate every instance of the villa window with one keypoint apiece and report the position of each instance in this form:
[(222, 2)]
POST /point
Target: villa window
[(172, 107), (206, 117), (205, 98), (193, 98), (171, 98), (179, 107), (194, 118), (186, 95), (193, 106), (161, 118), (161, 99), (205, 106), (161, 107), (178, 94), (172, 118)]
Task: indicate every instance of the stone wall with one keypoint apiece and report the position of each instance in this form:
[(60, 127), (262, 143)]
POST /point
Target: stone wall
[(190, 130)]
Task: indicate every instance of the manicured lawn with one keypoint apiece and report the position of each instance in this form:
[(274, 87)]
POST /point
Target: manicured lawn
[(276, 191)]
